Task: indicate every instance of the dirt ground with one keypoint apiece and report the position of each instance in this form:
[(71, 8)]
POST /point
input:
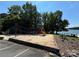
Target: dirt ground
[(69, 46), (47, 40)]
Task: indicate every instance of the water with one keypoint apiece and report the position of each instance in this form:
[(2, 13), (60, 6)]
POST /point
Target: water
[(69, 32)]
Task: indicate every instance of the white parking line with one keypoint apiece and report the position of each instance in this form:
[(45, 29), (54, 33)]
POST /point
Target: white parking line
[(7, 47), (21, 52)]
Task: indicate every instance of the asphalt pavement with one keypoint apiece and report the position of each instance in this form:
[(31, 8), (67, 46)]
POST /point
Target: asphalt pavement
[(11, 49)]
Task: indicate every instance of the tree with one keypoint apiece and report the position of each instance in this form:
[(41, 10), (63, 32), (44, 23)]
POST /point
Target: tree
[(2, 18), (30, 15), (45, 20), (15, 12), (11, 18), (30, 19), (15, 9), (2, 15), (53, 21), (58, 20), (65, 23), (1, 21)]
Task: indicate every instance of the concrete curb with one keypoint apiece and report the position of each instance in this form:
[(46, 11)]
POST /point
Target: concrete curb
[(1, 38), (49, 49)]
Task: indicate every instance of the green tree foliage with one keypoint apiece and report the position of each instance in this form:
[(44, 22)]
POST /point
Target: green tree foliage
[(15, 9), (2, 18), (28, 17), (45, 20), (12, 17), (65, 23), (58, 20), (53, 21)]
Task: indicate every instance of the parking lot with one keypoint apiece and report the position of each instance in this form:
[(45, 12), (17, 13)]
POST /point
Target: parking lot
[(11, 49)]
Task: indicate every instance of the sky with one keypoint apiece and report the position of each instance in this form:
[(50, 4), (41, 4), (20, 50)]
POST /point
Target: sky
[(70, 9)]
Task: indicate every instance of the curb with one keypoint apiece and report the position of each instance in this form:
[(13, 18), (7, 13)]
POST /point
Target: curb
[(49, 49), (1, 38)]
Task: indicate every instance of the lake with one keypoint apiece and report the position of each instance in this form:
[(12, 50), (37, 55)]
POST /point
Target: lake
[(69, 32)]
